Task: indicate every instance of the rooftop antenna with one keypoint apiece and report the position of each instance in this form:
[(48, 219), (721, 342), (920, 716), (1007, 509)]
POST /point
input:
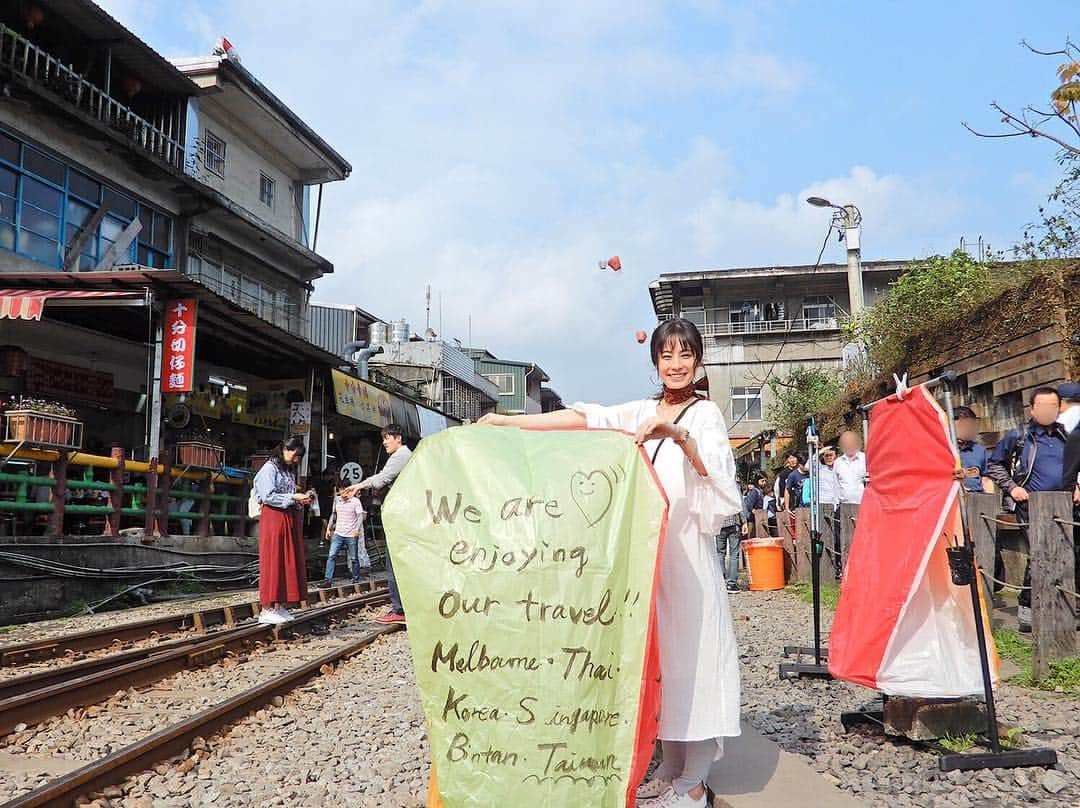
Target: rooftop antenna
[(440, 313), (427, 316), (468, 330)]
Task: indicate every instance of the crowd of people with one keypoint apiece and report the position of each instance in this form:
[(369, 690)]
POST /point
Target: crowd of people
[(842, 478), (1042, 455)]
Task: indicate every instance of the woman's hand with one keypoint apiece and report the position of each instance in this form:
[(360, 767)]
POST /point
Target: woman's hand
[(303, 499), (656, 428), (494, 419), (350, 492)]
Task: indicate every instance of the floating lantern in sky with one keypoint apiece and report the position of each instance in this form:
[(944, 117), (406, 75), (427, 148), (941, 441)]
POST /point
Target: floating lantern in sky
[(612, 263), (641, 336)]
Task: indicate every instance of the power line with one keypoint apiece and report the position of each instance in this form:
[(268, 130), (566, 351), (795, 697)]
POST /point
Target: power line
[(787, 332)]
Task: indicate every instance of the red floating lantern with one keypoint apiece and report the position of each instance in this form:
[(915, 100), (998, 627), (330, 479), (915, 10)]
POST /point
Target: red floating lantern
[(612, 263), (642, 336)]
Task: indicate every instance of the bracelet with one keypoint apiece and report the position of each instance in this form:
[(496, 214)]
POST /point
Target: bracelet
[(685, 437)]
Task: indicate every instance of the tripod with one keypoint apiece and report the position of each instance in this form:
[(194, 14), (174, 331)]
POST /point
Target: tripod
[(819, 668)]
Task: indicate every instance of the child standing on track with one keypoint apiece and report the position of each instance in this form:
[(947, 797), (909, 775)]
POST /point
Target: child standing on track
[(346, 525)]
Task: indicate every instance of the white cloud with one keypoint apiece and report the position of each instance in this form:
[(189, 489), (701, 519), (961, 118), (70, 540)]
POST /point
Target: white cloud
[(500, 150)]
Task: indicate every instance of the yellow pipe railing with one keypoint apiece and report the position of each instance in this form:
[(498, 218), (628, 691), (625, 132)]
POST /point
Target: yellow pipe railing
[(101, 462)]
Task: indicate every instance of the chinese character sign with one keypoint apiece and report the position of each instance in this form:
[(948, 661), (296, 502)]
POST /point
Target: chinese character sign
[(178, 355), (526, 561)]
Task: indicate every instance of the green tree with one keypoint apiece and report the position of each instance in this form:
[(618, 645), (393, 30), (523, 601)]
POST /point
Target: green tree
[(803, 390)]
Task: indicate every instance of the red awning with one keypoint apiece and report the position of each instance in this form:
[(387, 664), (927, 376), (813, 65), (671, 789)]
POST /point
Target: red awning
[(29, 304)]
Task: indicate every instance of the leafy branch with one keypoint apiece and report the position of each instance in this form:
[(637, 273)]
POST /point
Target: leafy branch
[(1031, 121)]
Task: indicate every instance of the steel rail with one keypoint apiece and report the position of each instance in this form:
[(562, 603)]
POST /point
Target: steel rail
[(143, 754), (57, 694), (96, 639)]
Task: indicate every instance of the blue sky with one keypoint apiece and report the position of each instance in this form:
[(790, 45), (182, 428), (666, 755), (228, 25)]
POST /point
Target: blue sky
[(501, 148)]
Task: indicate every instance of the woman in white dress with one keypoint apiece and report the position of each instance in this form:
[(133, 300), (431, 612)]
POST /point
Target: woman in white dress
[(699, 662)]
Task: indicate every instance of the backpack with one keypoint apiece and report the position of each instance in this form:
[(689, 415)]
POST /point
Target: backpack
[(254, 506), (798, 493)]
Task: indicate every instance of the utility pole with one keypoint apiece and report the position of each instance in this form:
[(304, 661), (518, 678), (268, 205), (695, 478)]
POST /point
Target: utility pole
[(852, 229)]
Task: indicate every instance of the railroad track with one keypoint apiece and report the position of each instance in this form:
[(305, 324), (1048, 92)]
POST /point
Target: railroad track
[(172, 740), (110, 636), (30, 699)]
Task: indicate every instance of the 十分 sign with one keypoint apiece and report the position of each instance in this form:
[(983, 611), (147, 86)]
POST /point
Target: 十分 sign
[(178, 354)]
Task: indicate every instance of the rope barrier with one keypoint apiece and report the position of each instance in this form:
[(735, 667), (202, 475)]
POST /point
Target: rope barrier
[(1067, 591), (1005, 584), (1066, 522), (1006, 522)]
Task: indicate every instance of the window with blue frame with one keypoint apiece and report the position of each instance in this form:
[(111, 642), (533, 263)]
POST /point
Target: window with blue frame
[(45, 204)]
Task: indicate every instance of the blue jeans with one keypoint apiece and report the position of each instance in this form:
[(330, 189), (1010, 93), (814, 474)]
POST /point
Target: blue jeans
[(352, 544), (728, 545), (391, 584)]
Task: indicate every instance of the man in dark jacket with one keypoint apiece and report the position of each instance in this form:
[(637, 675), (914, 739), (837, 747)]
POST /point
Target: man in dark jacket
[(1070, 480), (1027, 460)]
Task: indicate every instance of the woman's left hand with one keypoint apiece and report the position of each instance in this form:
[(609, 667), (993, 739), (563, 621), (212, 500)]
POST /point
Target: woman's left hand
[(654, 428)]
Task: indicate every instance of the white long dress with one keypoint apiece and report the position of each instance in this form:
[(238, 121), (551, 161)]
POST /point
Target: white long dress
[(699, 661)]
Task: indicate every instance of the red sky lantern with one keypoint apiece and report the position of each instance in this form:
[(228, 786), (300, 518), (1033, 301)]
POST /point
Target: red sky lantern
[(641, 337), (612, 263)]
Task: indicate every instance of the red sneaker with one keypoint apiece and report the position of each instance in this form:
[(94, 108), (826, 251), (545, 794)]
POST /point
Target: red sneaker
[(390, 618)]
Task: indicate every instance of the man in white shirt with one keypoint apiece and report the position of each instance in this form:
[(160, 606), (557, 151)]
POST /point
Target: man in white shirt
[(1070, 405), (850, 468)]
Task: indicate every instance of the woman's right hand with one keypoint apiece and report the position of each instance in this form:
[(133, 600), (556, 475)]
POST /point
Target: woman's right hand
[(303, 499), (494, 419)]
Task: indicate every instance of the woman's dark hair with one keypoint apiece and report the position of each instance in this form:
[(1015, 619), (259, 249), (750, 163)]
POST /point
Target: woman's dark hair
[(680, 331), (294, 443)]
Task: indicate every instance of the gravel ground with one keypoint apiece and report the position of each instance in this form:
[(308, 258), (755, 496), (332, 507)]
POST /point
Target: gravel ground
[(355, 737), (358, 736), (28, 757), (803, 717)]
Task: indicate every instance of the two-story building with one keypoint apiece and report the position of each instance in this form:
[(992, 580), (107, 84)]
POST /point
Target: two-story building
[(519, 383), (760, 322)]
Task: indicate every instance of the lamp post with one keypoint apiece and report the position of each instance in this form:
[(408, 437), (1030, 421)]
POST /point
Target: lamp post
[(850, 218)]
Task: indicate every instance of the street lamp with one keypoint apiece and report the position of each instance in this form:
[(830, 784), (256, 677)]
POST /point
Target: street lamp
[(850, 218)]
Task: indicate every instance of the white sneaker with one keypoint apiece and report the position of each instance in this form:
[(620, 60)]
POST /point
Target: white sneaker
[(271, 617), (284, 614), (651, 789), (669, 799)]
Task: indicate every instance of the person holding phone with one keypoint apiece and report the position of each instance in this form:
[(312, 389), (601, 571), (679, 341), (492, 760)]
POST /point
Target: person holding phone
[(282, 570)]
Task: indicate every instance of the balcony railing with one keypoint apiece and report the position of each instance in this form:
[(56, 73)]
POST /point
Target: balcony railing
[(26, 59), (722, 329), (284, 315)]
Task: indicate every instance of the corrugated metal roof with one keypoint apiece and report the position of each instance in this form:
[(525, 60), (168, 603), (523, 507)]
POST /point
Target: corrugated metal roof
[(97, 24)]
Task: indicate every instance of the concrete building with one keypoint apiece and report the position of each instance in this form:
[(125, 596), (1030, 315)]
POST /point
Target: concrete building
[(122, 174), (760, 322), (440, 373), (262, 161)]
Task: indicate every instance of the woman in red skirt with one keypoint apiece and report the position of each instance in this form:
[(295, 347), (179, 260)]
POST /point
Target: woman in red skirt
[(282, 571)]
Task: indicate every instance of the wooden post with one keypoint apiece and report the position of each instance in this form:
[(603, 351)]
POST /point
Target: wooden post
[(760, 526), (116, 496), (58, 472), (802, 544), (1051, 560), (239, 526), (207, 488), (849, 512), (164, 492), (150, 523), (983, 530)]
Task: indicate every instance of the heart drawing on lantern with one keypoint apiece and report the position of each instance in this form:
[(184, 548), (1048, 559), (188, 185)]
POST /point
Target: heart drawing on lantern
[(592, 493)]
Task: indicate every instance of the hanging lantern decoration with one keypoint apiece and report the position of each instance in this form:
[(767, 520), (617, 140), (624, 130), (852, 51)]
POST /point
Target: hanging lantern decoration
[(641, 337), (612, 263)]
